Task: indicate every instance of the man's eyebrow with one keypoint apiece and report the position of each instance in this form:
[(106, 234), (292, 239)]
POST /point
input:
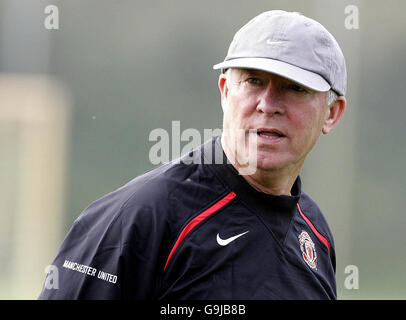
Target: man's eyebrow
[(280, 79), (252, 72)]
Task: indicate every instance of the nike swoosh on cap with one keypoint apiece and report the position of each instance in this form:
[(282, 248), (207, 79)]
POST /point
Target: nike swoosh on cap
[(224, 242)]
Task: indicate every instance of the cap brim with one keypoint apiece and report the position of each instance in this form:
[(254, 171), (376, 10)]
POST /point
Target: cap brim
[(304, 77)]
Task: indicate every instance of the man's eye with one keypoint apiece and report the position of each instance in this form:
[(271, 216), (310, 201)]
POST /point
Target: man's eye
[(297, 88), (254, 81)]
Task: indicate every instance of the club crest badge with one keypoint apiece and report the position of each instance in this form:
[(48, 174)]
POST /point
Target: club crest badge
[(308, 249)]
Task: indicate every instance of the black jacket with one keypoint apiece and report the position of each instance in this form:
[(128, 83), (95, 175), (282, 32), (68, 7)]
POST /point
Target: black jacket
[(197, 231)]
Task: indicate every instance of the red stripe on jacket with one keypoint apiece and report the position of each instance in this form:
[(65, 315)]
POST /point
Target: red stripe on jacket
[(321, 237), (198, 219)]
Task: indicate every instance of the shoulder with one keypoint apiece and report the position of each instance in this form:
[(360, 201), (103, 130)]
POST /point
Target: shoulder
[(163, 197), (144, 193)]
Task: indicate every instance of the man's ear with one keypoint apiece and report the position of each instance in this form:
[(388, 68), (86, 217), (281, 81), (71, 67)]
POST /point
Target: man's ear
[(334, 114), (223, 86)]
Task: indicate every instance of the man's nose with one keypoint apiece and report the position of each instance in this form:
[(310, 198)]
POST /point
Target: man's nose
[(269, 102)]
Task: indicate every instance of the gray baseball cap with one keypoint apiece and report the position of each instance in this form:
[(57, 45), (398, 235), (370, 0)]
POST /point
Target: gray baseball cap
[(291, 45)]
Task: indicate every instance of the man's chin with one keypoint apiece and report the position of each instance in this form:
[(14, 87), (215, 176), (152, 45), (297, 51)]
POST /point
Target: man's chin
[(269, 164)]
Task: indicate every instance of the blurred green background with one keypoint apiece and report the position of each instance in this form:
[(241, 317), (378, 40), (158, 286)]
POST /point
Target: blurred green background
[(77, 105)]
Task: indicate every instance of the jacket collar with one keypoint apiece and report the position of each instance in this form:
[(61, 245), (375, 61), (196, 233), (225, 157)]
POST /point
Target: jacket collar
[(275, 210)]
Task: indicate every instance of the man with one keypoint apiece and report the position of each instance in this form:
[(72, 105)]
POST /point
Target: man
[(208, 228)]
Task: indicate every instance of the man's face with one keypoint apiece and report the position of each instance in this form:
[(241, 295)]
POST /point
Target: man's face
[(288, 117)]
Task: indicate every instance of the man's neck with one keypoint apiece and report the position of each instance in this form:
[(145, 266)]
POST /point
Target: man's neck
[(267, 183), (275, 182)]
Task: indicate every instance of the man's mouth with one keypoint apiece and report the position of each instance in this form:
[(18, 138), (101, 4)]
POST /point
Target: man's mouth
[(270, 133)]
